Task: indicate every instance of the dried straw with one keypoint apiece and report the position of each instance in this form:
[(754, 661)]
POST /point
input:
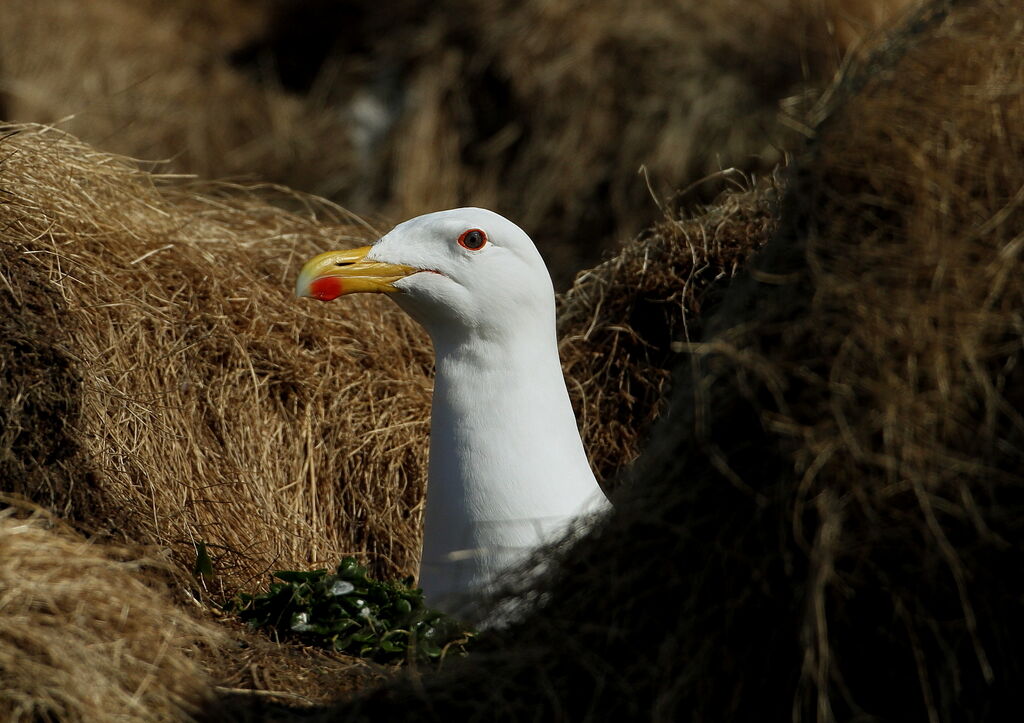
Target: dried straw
[(87, 634), (205, 402), (153, 80), (621, 321), (543, 111)]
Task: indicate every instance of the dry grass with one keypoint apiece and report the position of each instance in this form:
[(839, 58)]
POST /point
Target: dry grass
[(543, 111), (152, 80), (546, 111), (619, 322), (204, 401), (826, 526), (87, 635), (914, 211), (257, 675)]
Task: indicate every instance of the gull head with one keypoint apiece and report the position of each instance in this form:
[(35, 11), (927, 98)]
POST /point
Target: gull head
[(462, 271)]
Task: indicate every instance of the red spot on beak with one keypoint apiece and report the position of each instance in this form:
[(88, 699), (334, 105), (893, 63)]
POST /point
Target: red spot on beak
[(326, 288)]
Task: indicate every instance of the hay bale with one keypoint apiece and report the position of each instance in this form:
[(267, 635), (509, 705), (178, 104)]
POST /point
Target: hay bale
[(167, 388), (827, 525), (84, 638)]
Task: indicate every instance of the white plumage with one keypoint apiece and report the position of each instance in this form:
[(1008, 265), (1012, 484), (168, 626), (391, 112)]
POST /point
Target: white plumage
[(507, 467)]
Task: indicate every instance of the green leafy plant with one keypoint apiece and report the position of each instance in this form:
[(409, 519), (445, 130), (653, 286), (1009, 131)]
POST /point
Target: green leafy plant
[(349, 612)]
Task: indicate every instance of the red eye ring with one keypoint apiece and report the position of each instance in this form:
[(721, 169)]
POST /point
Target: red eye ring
[(473, 239)]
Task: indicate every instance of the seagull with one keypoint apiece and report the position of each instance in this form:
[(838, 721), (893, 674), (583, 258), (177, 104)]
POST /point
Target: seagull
[(507, 470)]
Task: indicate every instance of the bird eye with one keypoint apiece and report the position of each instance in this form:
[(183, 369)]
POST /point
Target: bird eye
[(474, 239)]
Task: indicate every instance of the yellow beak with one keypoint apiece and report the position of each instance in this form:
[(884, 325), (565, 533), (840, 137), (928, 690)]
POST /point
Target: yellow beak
[(335, 273)]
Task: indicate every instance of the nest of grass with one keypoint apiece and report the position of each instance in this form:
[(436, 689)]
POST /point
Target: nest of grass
[(826, 525), (87, 633), (162, 386), (165, 387), (260, 678)]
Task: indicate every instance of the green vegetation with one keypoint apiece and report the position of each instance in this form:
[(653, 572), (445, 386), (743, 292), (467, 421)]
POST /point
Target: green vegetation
[(351, 613)]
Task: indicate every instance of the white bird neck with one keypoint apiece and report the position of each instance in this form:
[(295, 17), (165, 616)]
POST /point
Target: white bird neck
[(507, 466), (500, 378), (501, 414)]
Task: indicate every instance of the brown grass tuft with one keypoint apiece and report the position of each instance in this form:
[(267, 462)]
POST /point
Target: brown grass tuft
[(912, 211), (153, 80), (620, 320), (204, 401), (87, 635)]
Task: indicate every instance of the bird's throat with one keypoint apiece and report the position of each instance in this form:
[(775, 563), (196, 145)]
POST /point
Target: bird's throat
[(506, 462)]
